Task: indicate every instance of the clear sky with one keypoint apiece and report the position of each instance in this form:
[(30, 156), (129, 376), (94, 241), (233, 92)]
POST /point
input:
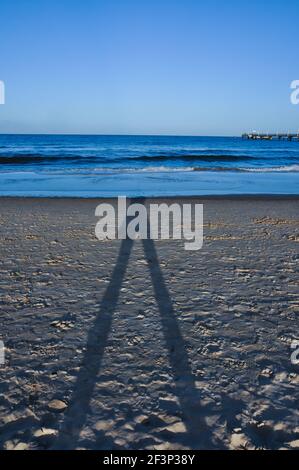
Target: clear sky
[(186, 67)]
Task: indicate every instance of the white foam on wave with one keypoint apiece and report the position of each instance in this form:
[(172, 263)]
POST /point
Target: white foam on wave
[(287, 168), (148, 169)]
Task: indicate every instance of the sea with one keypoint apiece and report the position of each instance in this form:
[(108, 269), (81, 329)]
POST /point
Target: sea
[(144, 166)]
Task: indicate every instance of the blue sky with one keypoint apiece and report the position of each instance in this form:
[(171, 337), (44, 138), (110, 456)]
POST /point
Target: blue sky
[(185, 67)]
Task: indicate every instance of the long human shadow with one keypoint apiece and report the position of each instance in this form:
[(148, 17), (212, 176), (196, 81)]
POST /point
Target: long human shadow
[(98, 334), (198, 435)]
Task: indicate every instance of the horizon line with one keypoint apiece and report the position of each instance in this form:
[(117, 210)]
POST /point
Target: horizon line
[(115, 135)]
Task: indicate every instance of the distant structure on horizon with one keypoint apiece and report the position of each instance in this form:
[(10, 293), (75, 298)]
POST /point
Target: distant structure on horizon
[(269, 136)]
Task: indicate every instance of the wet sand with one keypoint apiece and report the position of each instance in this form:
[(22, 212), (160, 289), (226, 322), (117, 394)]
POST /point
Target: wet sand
[(143, 345)]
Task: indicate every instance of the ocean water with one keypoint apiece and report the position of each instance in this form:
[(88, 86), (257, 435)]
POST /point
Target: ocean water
[(96, 166)]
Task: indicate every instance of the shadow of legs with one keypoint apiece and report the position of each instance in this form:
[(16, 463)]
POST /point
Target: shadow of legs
[(199, 435), (91, 364)]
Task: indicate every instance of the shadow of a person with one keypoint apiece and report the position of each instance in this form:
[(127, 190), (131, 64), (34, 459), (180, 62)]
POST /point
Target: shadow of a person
[(198, 435)]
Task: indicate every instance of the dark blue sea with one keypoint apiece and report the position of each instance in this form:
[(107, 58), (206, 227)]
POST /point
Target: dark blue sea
[(96, 166)]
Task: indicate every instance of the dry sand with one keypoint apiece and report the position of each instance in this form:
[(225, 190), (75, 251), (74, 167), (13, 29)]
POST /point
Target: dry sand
[(143, 345)]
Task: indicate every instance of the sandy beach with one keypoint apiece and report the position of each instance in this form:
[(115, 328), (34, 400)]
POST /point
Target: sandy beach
[(143, 345)]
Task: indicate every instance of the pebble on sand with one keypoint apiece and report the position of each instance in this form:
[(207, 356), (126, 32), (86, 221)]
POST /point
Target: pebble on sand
[(57, 405)]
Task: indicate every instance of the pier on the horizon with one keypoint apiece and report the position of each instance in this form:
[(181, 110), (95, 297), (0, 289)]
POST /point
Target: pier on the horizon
[(268, 136)]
